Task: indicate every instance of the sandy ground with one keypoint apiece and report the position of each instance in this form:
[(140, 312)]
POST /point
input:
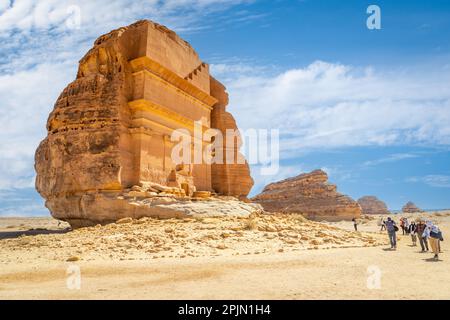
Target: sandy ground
[(264, 257)]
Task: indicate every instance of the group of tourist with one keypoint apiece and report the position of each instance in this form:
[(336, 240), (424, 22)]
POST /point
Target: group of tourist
[(425, 231)]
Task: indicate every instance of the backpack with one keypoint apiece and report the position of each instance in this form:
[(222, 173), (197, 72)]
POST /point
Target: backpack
[(437, 235)]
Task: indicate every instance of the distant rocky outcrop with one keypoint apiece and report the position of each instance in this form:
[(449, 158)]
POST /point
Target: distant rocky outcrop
[(311, 195), (410, 207), (372, 205)]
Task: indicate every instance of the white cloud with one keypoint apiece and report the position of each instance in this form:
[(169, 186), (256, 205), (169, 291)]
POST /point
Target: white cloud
[(227, 71), (24, 211), (34, 32), (284, 172), (391, 158), (339, 173), (27, 99), (432, 180), (29, 15), (326, 105)]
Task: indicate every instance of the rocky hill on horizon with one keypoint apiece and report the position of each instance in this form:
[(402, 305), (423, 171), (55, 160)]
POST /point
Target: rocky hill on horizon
[(311, 195)]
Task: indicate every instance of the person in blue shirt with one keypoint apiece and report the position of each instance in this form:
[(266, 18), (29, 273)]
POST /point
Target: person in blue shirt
[(391, 228)]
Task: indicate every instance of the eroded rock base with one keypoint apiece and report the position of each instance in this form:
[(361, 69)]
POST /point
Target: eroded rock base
[(91, 209)]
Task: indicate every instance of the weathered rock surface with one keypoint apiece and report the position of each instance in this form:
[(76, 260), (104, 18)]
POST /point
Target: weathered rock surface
[(104, 208), (228, 179), (110, 129), (215, 207), (372, 205), (311, 195), (410, 207)]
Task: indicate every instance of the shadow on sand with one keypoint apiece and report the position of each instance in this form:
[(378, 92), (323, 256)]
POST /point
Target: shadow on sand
[(388, 249), (31, 232), (432, 260)]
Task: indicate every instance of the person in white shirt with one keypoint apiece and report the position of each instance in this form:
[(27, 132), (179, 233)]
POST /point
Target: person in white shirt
[(406, 224)]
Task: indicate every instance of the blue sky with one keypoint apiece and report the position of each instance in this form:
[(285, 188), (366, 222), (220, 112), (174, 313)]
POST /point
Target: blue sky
[(293, 33), (370, 107)]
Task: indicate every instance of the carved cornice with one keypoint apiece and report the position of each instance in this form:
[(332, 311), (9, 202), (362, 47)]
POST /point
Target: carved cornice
[(174, 81)]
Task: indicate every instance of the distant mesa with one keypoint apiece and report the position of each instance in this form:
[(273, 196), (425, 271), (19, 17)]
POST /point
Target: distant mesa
[(311, 195), (372, 205), (410, 207)]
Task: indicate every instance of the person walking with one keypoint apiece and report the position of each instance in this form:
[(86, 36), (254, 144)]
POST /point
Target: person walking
[(420, 228), (355, 224), (434, 235), (382, 223), (412, 232), (406, 224), (402, 225), (391, 228)]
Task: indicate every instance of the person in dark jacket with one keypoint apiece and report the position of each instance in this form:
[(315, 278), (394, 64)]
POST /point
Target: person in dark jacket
[(420, 228), (355, 224), (412, 232)]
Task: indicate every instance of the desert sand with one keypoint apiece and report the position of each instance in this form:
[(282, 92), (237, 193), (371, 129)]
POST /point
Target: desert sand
[(262, 257)]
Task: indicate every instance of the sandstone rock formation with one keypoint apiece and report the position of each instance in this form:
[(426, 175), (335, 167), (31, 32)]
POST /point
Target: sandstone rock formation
[(111, 128), (372, 205), (311, 195), (227, 178), (410, 208)]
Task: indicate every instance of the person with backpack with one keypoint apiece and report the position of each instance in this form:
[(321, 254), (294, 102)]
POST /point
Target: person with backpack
[(434, 235), (392, 229)]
